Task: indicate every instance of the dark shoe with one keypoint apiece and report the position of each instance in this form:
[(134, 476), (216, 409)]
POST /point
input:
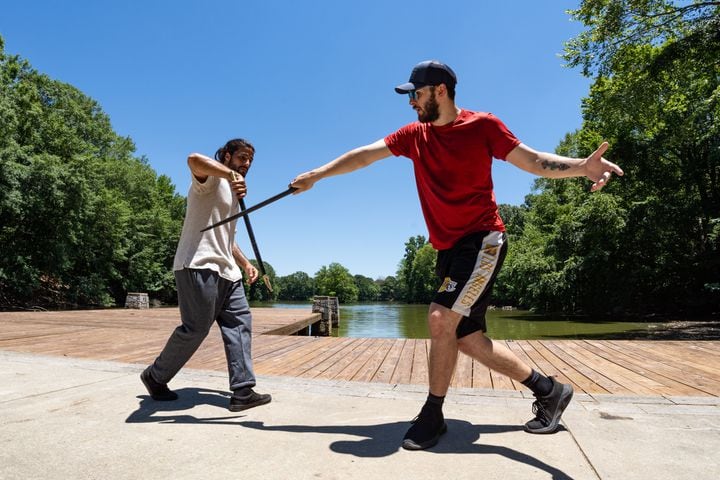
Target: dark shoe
[(549, 409), (158, 391), (253, 399), (426, 429)]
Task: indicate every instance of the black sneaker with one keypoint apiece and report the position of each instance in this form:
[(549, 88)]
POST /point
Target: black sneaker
[(425, 430), (253, 399), (158, 391), (550, 408)]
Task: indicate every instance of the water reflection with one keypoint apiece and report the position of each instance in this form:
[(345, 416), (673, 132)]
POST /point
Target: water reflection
[(390, 320), (394, 320)]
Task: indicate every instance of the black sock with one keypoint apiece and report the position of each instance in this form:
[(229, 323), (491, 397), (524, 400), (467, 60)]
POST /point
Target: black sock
[(434, 402), (538, 383)]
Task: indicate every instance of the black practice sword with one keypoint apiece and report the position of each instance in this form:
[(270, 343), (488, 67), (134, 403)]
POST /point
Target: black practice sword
[(244, 213), (251, 235)]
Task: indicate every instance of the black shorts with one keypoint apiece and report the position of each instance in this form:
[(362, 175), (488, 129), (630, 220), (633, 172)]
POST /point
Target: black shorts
[(468, 270)]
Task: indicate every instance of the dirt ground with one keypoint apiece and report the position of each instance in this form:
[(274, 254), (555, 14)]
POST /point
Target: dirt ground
[(682, 330)]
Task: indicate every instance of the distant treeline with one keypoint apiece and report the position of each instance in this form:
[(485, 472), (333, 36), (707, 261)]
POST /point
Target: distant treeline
[(415, 281), (83, 221)]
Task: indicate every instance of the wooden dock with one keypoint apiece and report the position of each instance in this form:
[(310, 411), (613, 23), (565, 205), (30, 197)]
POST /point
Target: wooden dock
[(623, 367)]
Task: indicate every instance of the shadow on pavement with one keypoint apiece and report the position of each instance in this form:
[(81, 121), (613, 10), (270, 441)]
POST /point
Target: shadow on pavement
[(375, 441), (384, 439), (150, 411)]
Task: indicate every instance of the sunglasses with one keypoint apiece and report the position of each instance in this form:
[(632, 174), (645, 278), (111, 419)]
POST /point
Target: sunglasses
[(413, 94)]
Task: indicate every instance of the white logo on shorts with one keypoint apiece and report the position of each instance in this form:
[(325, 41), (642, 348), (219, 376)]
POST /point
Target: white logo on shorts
[(448, 285)]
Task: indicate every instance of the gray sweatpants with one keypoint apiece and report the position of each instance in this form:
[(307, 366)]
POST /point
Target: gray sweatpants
[(204, 298)]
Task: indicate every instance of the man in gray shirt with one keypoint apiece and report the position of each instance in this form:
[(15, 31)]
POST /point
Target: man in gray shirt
[(209, 280)]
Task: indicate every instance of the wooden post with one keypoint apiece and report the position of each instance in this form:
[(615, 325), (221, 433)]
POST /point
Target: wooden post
[(137, 300), (334, 306), (324, 306)]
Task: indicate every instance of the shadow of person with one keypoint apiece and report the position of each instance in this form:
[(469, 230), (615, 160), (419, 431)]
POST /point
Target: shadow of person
[(151, 411), (462, 437), (384, 439)]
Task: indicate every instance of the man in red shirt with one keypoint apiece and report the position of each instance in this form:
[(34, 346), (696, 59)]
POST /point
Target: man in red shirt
[(452, 151)]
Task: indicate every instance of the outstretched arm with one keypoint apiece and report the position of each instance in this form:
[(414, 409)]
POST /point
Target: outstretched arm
[(353, 160), (549, 165)]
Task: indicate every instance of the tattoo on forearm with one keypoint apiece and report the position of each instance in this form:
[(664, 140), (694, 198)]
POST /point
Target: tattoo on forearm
[(554, 165)]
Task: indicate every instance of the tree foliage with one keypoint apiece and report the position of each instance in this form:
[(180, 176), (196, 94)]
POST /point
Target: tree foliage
[(647, 242), (368, 289), (389, 289), (297, 286), (82, 221), (416, 277), (258, 291), (618, 26), (335, 280)]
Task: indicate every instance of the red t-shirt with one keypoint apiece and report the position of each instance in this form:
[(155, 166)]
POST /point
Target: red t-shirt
[(453, 172)]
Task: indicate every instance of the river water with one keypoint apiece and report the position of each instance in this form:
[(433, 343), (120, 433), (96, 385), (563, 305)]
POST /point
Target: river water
[(395, 320)]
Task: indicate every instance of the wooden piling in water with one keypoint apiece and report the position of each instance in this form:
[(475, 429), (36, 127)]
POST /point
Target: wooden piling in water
[(329, 310), (137, 300)]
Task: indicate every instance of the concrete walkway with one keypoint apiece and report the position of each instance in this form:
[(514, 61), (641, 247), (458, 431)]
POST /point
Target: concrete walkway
[(65, 418)]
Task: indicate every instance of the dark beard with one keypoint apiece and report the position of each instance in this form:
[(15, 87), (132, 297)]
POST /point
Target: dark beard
[(431, 110)]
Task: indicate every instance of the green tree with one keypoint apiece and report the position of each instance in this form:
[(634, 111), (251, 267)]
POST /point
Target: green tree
[(368, 290), (416, 273), (405, 276), (564, 261), (424, 281), (659, 102), (389, 289), (258, 291), (81, 220), (646, 243), (297, 286), (618, 26), (513, 217), (336, 281)]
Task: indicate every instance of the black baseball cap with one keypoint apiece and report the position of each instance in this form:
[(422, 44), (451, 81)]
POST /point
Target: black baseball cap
[(429, 72)]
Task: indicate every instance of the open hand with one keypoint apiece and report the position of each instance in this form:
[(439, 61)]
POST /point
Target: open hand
[(600, 170)]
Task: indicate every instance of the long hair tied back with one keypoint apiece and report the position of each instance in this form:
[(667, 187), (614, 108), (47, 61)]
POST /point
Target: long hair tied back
[(231, 147)]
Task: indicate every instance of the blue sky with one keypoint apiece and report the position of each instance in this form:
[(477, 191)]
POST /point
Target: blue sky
[(305, 81)]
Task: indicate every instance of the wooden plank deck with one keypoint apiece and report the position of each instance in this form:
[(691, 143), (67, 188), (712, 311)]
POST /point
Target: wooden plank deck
[(620, 367)]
